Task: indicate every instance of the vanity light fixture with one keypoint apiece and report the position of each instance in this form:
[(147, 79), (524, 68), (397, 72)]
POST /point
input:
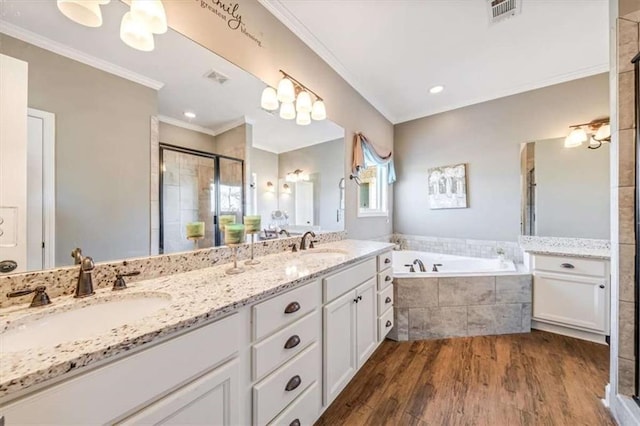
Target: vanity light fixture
[(151, 12), (599, 129), (295, 100), (436, 89), (190, 115), (83, 12), (296, 176), (146, 18)]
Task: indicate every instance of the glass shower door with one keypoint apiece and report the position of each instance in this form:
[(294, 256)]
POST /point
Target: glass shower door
[(230, 190)]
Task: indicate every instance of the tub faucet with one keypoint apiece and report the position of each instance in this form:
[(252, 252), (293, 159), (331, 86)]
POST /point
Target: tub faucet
[(411, 268), (303, 242), (420, 264), (435, 267)]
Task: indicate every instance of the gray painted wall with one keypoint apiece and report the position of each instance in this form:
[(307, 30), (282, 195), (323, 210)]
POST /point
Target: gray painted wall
[(179, 136), (487, 136), (102, 153), (572, 190), (326, 159)]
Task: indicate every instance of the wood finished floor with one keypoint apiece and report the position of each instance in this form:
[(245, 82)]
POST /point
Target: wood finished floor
[(521, 379)]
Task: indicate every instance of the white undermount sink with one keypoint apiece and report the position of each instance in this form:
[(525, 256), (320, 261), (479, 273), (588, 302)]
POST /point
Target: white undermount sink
[(81, 323)]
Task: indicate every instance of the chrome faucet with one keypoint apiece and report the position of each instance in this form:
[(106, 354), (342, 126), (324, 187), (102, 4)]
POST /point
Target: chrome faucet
[(84, 286), (303, 242), (420, 264)]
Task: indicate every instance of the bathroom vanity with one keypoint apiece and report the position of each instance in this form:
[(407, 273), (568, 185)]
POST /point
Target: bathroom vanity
[(274, 345)]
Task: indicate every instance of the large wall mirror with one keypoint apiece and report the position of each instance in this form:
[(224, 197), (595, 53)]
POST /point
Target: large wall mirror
[(565, 191), (126, 148)]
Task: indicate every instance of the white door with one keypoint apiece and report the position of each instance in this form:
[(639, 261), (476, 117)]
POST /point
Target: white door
[(209, 400), (13, 163), (340, 360), (304, 203), (570, 300), (366, 321)]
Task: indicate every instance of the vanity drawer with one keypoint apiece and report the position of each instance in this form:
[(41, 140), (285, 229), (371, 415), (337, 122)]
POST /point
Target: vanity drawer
[(385, 324), (277, 349), (570, 265), (303, 411), (385, 279), (348, 279), (385, 261), (271, 396), (385, 300), (284, 309)]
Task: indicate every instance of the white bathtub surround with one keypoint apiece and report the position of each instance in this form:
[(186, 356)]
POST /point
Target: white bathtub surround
[(459, 246), (576, 247)]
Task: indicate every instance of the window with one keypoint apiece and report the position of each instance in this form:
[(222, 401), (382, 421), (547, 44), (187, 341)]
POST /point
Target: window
[(372, 192)]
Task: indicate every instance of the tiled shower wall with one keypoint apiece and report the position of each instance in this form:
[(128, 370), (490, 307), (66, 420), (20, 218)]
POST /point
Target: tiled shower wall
[(460, 247), (628, 47)]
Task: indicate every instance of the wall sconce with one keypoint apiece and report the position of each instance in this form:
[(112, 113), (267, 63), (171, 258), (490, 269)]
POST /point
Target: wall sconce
[(270, 187), (291, 91), (296, 176), (600, 130), (286, 189)]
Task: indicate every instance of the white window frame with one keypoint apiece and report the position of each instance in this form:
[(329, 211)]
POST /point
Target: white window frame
[(382, 194)]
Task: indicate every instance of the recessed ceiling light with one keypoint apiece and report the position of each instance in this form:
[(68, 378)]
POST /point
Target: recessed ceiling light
[(436, 89), (190, 114)]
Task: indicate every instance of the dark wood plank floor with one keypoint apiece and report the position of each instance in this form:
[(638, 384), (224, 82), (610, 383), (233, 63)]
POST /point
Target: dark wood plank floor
[(521, 379)]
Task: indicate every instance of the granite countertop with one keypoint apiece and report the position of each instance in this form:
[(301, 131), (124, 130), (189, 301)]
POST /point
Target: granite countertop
[(195, 298), (573, 247)]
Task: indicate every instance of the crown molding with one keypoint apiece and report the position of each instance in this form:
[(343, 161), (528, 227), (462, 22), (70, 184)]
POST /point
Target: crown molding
[(232, 124), (77, 55), (185, 125), (280, 11), (540, 84)]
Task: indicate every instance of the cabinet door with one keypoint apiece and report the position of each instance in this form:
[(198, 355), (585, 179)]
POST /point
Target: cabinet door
[(570, 300), (211, 400), (340, 361), (366, 324)]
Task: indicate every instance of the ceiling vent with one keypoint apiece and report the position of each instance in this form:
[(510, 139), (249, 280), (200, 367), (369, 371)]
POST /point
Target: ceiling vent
[(499, 10), (216, 76)]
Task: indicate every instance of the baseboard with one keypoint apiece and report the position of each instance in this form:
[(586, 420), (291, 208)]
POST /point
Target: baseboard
[(623, 409), (571, 332)]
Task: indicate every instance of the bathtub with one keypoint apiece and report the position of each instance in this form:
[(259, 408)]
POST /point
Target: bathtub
[(452, 266)]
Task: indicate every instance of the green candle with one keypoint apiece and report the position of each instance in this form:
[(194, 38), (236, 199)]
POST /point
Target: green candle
[(252, 224), (234, 234), (195, 230), (226, 219)]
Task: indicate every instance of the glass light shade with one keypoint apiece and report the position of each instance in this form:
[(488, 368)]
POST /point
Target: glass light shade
[(269, 100), (287, 111), (151, 12), (576, 138), (286, 92), (135, 33), (303, 118), (603, 133), (318, 111), (303, 102), (83, 12), (102, 2), (291, 177)]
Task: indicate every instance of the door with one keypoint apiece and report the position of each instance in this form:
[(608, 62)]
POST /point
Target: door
[(210, 400), (340, 359), (366, 323), (13, 164), (570, 300), (304, 203)]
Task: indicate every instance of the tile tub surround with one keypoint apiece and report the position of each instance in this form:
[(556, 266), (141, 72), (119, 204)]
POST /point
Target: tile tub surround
[(196, 297), (435, 308), (62, 281), (461, 247), (575, 247)]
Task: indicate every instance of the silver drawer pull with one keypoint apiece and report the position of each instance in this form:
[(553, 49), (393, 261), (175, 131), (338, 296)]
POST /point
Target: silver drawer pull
[(388, 324), (568, 266), (293, 383), (387, 300), (292, 307), (292, 342), (296, 422)]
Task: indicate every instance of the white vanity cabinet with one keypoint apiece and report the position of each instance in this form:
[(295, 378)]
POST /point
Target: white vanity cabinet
[(197, 371), (571, 296)]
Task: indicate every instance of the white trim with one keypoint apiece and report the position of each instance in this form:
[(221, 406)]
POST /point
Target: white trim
[(185, 125), (266, 148), (231, 125), (382, 190), (624, 410), (77, 55), (48, 184), (282, 13)]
